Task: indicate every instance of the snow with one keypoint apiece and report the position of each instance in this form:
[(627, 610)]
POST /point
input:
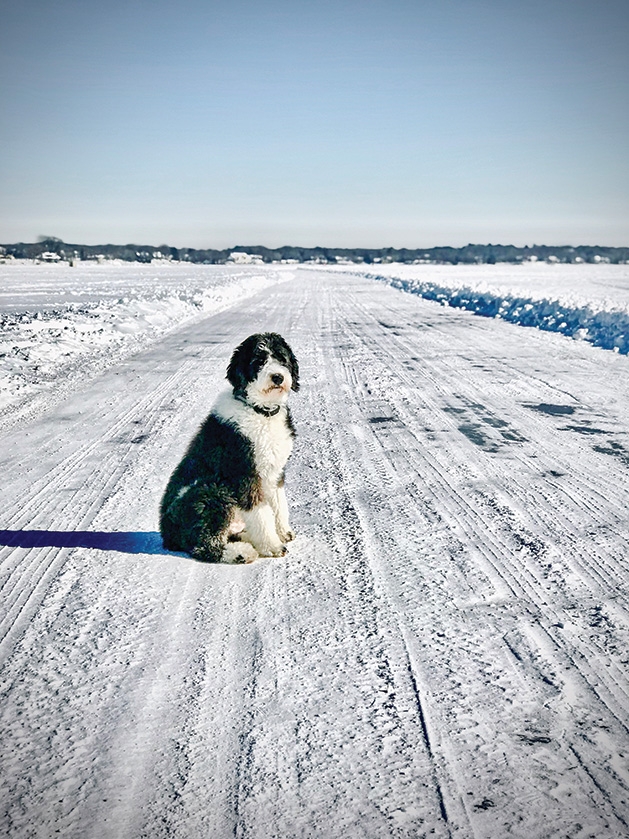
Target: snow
[(585, 302), (442, 653), (57, 320)]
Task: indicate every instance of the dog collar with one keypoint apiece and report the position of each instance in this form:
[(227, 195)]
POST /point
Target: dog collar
[(266, 412)]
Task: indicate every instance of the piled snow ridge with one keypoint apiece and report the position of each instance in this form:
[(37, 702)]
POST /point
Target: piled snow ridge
[(600, 321)]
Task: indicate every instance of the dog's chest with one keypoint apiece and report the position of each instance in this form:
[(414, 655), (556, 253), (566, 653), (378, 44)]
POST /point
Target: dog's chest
[(272, 445)]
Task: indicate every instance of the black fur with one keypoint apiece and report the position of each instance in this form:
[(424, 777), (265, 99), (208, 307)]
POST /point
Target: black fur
[(220, 471)]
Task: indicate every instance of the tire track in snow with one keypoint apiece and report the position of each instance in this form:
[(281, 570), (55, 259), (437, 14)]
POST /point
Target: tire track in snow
[(84, 480), (501, 519), (376, 349), (360, 546), (366, 612)]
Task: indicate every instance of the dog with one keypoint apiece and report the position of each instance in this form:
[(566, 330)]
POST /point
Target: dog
[(225, 501)]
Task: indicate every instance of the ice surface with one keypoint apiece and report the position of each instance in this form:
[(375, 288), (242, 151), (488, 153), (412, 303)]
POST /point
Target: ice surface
[(56, 319), (443, 651), (586, 302)]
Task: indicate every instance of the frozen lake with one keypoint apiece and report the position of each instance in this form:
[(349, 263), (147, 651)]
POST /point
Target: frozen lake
[(26, 286), (442, 653)]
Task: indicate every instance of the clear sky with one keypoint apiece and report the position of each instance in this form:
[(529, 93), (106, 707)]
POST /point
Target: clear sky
[(366, 123)]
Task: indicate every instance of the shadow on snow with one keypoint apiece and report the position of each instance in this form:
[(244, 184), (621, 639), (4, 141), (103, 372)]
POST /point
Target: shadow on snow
[(131, 543)]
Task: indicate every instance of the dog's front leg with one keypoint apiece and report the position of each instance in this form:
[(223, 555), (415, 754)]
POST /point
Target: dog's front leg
[(280, 510), (260, 530)]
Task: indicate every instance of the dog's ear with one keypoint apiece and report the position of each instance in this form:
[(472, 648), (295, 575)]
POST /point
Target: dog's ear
[(238, 369), (294, 369)]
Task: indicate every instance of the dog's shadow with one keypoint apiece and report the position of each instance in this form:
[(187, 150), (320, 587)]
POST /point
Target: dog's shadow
[(124, 542)]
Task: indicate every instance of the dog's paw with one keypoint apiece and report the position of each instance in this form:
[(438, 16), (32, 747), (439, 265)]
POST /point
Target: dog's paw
[(287, 535), (239, 553), (274, 550)]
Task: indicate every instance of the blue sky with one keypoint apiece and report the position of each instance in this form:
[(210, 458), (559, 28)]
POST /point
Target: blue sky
[(350, 123)]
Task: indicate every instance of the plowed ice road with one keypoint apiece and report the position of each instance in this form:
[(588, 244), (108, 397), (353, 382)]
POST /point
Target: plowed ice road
[(443, 652)]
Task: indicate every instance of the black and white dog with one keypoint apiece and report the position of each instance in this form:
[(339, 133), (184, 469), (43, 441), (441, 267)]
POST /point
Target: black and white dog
[(226, 501)]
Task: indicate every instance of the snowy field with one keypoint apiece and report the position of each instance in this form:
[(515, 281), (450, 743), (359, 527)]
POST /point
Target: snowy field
[(443, 652), (58, 320), (586, 302)]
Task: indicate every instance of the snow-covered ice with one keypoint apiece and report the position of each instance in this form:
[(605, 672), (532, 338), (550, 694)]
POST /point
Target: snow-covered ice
[(582, 301), (57, 320), (443, 652)]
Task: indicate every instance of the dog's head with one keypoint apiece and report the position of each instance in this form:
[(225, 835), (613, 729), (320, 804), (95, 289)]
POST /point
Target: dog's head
[(263, 370)]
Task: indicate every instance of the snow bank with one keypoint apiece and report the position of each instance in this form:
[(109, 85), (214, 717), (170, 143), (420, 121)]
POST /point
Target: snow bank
[(585, 302), (122, 310)]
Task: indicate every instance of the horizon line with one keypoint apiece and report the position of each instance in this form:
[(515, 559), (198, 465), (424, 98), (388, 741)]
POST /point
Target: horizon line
[(58, 241)]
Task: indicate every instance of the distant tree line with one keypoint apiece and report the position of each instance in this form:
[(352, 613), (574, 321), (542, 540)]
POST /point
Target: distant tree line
[(470, 254)]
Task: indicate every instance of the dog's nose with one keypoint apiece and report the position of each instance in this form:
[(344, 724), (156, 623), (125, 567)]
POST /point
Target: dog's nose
[(277, 378)]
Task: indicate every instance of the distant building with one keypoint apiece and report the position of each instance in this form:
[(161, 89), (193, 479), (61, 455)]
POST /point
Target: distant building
[(242, 258)]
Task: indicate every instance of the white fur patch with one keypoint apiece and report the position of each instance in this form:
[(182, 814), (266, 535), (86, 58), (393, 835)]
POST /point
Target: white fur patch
[(266, 525), (185, 489), (271, 437)]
